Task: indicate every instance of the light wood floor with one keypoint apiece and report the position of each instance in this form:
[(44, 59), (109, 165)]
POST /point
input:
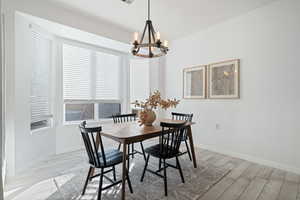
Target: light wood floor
[(246, 181)]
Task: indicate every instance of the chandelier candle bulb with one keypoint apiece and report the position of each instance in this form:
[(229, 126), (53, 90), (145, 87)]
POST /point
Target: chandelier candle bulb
[(136, 36), (166, 43), (157, 36)]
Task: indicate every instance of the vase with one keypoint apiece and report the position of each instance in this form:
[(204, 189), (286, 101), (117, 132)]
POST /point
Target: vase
[(149, 117)]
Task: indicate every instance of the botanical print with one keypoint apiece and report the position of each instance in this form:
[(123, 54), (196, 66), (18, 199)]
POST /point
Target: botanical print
[(223, 80), (194, 82)]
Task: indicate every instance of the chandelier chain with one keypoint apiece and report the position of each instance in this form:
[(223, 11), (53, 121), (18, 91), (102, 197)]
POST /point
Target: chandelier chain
[(148, 9)]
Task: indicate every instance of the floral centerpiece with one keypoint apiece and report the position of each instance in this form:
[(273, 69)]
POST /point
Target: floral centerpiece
[(147, 115)]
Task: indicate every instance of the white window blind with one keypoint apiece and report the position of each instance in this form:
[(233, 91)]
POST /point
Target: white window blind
[(40, 79), (90, 75), (77, 64), (139, 79), (107, 76)]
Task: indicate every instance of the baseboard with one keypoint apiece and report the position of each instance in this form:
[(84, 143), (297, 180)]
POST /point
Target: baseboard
[(250, 158)]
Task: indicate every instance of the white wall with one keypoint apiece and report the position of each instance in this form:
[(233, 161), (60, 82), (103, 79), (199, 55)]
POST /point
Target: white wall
[(262, 125), (52, 12)]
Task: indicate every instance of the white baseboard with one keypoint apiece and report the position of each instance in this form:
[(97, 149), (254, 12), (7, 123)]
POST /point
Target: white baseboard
[(251, 158)]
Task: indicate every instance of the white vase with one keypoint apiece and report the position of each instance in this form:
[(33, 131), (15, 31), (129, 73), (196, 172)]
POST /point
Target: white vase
[(149, 118)]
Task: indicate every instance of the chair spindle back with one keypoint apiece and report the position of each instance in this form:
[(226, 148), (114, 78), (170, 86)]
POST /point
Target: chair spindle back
[(89, 136), (182, 116), (171, 138), (124, 118)]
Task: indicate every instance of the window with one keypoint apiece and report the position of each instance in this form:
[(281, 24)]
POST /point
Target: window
[(91, 84), (106, 110), (76, 112), (40, 81), (139, 80)]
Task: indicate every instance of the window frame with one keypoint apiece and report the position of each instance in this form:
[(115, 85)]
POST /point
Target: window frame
[(124, 83), (46, 35), (96, 108)]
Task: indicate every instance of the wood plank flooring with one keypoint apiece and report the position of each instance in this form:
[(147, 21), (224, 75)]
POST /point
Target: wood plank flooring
[(246, 180)]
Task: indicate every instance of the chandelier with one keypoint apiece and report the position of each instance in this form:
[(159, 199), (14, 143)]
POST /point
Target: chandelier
[(153, 47)]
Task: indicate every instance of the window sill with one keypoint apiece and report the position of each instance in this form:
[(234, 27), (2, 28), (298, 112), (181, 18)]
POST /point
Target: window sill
[(104, 121), (39, 130)]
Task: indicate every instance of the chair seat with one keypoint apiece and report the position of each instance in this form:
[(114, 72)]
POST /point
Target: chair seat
[(113, 157), (156, 152)]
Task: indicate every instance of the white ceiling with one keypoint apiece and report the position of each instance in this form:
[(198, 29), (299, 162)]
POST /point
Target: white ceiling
[(173, 18)]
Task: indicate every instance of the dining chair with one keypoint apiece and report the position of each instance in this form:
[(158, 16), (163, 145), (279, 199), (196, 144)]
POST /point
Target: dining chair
[(188, 118), (99, 158), (129, 118), (168, 148)]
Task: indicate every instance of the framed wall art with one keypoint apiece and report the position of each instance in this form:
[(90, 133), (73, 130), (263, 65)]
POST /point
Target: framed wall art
[(194, 82), (223, 80)]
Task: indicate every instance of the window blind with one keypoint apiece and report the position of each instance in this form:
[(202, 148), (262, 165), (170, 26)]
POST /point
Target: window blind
[(77, 64), (107, 76), (40, 77), (90, 75)]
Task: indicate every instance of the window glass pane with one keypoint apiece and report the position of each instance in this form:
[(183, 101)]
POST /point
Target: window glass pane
[(77, 112), (106, 110)]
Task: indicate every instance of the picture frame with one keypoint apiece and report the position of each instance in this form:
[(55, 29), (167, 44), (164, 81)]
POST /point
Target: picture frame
[(223, 80), (194, 82)]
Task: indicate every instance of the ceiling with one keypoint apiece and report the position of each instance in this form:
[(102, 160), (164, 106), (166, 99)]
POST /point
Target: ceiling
[(172, 18)]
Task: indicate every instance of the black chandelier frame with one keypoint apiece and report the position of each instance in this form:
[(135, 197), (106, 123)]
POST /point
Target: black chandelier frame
[(152, 43)]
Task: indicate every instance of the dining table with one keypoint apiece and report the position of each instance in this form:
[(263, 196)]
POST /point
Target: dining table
[(132, 132)]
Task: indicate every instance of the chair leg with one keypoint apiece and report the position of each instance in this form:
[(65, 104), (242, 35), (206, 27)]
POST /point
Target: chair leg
[(132, 150), (143, 151), (179, 168), (100, 184), (159, 164), (114, 173), (128, 163), (86, 181), (128, 150), (165, 178), (188, 150), (146, 164), (129, 182)]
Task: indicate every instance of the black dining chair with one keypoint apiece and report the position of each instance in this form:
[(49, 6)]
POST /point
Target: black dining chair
[(168, 148), (99, 158), (188, 118), (129, 118)]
